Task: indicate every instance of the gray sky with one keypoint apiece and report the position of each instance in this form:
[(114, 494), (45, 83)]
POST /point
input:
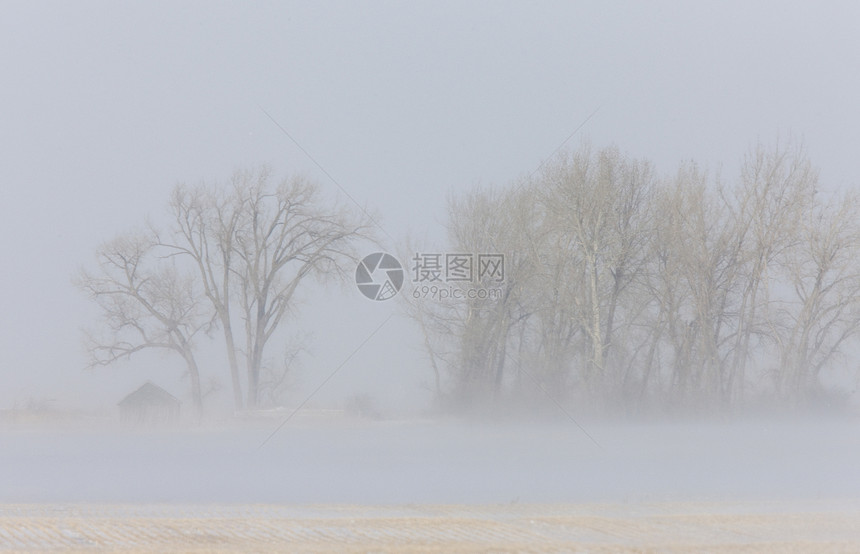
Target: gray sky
[(105, 106)]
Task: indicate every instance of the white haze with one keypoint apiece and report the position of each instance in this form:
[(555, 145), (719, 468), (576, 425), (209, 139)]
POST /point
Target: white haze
[(105, 106), (793, 462)]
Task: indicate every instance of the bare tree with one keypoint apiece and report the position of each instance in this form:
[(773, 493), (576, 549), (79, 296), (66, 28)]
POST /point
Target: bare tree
[(246, 247), (686, 288), (435, 323), (478, 226), (467, 337), (205, 221), (667, 284), (597, 205), (146, 303), (776, 190), (824, 313), (283, 235)]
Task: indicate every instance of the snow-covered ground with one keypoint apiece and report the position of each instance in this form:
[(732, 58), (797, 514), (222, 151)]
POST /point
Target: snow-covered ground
[(664, 527), (423, 486)]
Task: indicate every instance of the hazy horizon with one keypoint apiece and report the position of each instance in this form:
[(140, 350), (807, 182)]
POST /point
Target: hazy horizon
[(107, 107)]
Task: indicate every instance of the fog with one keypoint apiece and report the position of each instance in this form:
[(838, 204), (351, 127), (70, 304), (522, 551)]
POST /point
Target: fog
[(794, 462), (107, 108), (397, 113)]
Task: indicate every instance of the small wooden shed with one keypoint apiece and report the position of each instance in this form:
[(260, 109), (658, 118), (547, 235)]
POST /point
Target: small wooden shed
[(149, 405)]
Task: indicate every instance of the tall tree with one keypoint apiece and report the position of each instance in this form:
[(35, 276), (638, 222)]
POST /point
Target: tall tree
[(823, 312), (597, 204), (776, 190), (146, 302), (284, 234), (245, 249), (205, 221)]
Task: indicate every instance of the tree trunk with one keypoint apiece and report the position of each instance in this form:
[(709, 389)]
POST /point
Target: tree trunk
[(196, 389), (595, 331), (234, 363), (253, 378)]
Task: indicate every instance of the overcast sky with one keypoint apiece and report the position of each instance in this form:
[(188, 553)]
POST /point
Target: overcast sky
[(105, 106)]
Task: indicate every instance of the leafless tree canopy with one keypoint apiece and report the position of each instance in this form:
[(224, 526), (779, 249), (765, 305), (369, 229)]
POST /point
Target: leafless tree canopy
[(622, 287), (232, 259), (625, 288), (146, 302)]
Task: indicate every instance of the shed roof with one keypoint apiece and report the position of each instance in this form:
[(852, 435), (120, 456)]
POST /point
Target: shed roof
[(150, 394)]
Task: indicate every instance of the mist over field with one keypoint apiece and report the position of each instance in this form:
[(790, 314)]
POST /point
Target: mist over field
[(457, 254), (797, 462)]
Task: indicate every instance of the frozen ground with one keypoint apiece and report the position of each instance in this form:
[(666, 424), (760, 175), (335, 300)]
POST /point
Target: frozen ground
[(430, 528), (431, 486)]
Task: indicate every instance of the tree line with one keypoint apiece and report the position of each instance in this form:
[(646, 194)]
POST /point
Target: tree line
[(622, 288), (626, 288)]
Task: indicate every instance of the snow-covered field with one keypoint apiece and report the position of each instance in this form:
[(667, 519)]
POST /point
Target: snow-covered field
[(672, 527), (435, 486)]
